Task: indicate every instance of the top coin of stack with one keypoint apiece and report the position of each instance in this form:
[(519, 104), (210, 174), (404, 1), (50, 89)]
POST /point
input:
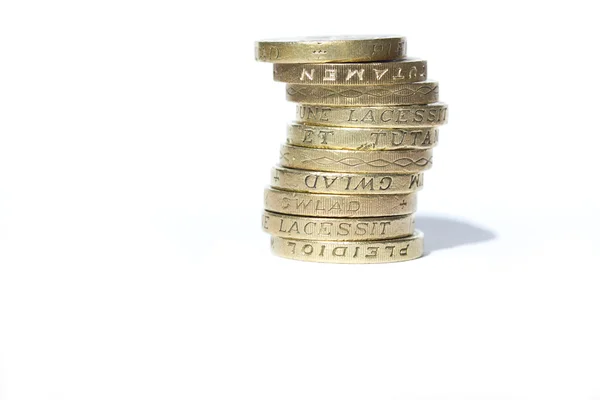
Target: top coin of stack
[(331, 49), (366, 123)]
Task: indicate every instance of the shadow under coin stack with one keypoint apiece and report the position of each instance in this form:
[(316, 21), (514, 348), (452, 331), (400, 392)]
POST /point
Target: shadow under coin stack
[(366, 122)]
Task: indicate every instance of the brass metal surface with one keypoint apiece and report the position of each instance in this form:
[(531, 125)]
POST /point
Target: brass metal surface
[(394, 94), (393, 161), (350, 252), (339, 205), (331, 49), (374, 116), (352, 74), (296, 227), (344, 183), (333, 137)]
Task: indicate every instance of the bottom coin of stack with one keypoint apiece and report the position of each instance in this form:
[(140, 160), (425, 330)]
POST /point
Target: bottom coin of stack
[(363, 252)]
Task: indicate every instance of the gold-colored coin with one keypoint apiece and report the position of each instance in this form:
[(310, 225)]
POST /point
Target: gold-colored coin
[(382, 116), (363, 252), (399, 161), (332, 137), (298, 180), (331, 49), (339, 205), (351, 74), (295, 227), (396, 94)]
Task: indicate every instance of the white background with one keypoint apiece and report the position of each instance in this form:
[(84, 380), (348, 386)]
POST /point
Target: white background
[(136, 138)]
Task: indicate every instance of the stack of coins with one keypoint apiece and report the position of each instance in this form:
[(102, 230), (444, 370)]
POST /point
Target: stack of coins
[(366, 122)]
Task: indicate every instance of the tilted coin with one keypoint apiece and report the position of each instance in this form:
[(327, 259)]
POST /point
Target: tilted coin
[(331, 49), (295, 227), (396, 161), (333, 137), (339, 205), (395, 94), (344, 183), (374, 116), (351, 74), (360, 252)]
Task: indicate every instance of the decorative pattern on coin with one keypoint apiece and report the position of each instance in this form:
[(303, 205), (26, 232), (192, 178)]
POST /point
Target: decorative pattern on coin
[(402, 94), (403, 161)]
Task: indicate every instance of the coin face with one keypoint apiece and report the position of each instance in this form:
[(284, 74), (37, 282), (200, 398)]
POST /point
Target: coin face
[(333, 38), (331, 49)]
